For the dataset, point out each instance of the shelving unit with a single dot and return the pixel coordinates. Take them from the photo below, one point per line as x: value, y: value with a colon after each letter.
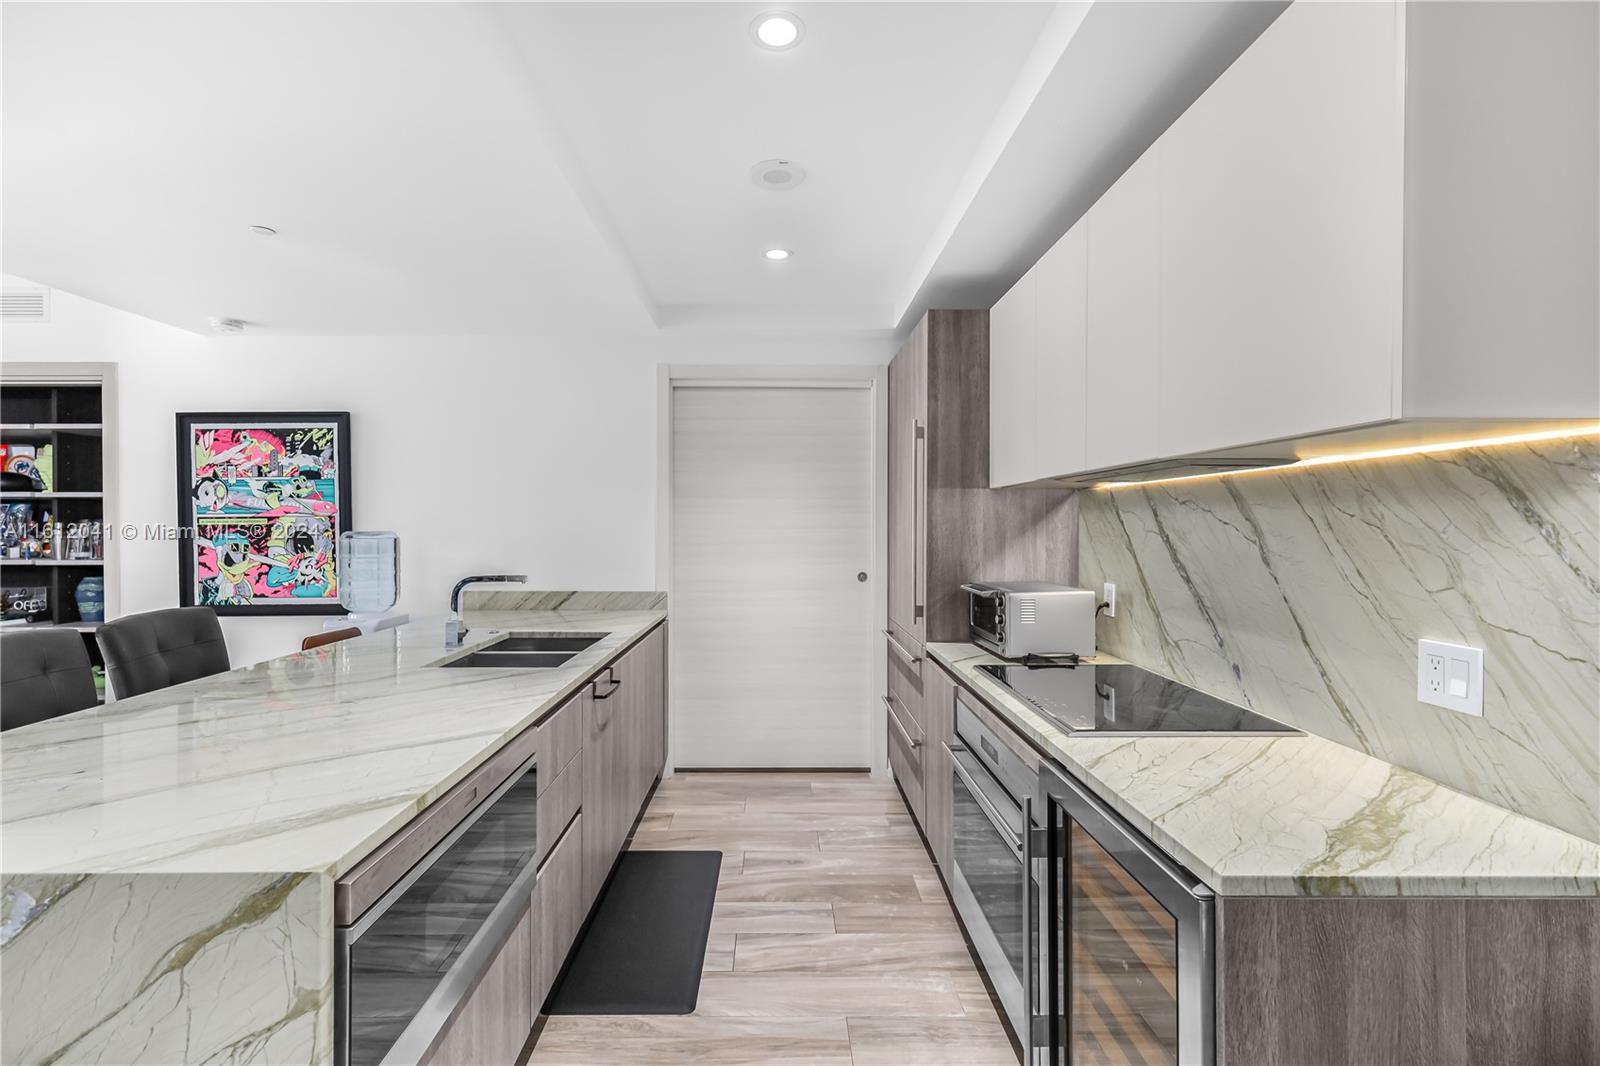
x: 67, y: 407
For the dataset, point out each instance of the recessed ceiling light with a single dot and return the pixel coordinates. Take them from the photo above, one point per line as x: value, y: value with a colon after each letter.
x: 777, y: 30
x: 263, y: 231
x: 776, y: 254
x: 227, y: 325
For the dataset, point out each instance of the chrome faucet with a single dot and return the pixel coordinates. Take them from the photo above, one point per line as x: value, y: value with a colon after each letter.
x: 455, y: 627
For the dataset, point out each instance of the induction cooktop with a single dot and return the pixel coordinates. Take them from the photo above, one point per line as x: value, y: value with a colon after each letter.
x: 1127, y: 700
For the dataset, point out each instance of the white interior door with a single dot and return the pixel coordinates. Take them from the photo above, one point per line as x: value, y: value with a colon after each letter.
x: 771, y: 628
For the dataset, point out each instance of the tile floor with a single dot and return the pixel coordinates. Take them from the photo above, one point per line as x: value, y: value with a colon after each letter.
x: 831, y: 941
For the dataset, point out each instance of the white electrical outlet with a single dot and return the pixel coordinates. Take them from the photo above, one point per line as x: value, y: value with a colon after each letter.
x: 1109, y: 598
x: 1450, y: 676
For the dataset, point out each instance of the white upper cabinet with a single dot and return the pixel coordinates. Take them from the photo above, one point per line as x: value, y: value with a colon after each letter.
x: 1280, y: 210
x: 1061, y: 348
x: 1012, y: 343
x: 1375, y: 228
x: 1037, y: 349
x: 1124, y: 327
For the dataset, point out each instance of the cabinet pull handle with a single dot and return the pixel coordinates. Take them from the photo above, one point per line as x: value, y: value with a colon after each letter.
x: 919, y: 587
x: 612, y: 691
x: 895, y: 718
x: 910, y: 659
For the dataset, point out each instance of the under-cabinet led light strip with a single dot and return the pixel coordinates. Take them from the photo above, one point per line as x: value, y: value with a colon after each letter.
x: 1379, y: 453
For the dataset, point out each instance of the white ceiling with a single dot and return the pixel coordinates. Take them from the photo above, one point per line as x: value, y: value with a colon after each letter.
x: 460, y: 168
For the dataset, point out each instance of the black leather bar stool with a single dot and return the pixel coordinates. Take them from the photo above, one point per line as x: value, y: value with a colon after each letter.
x: 44, y: 673
x: 153, y: 650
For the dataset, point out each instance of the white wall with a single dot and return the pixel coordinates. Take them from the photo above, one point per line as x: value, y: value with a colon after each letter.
x: 485, y: 454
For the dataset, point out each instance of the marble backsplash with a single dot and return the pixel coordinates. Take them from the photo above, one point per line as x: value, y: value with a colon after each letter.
x: 514, y: 599
x: 1303, y: 594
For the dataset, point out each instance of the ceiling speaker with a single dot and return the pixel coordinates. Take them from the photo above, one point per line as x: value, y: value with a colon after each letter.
x: 779, y: 175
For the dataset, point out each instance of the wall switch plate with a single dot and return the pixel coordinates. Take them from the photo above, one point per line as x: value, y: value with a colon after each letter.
x: 1109, y: 598
x: 1450, y: 676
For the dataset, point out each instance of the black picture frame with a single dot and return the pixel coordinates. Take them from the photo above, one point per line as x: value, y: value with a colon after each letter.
x: 257, y: 502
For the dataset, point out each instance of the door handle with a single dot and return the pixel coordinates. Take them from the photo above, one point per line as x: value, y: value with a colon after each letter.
x: 1030, y: 926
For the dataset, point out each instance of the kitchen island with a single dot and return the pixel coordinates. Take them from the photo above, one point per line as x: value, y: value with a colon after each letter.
x: 169, y: 860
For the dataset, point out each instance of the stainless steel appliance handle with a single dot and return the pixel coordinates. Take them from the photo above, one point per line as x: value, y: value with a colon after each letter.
x: 919, y: 580
x: 987, y: 806
x: 473, y: 961
x: 911, y: 660
x: 888, y: 704
x: 1030, y: 927
x: 978, y: 590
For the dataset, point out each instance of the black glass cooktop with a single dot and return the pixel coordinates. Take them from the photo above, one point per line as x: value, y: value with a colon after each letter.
x: 1111, y: 698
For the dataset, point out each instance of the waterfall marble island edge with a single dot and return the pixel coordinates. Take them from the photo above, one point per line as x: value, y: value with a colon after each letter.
x: 151, y: 847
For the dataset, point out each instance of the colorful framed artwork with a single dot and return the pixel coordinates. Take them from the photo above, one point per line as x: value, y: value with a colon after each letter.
x: 262, y: 499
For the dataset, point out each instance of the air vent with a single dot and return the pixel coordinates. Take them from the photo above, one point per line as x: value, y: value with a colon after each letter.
x: 1027, y: 610
x: 25, y: 305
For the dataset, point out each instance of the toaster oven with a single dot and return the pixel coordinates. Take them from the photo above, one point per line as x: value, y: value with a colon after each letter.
x: 1020, y: 618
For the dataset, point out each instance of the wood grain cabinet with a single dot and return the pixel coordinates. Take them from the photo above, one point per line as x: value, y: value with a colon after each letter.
x: 559, y: 907
x: 1342, y: 244
x: 946, y: 525
x: 599, y: 754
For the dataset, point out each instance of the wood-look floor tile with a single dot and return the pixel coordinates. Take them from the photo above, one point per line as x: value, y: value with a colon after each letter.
x: 655, y: 819
x: 894, y: 918
x: 912, y: 862
x: 659, y: 1040
x: 929, y: 1042
x: 738, y: 786
x: 859, y: 953
x: 729, y: 842
x: 806, y: 995
x: 979, y: 1005
x: 767, y: 917
x: 930, y: 887
x: 805, y: 887
x: 719, y: 950
x: 704, y: 802
x: 793, y: 816
x: 846, y: 803
x: 861, y: 784
x: 839, y: 838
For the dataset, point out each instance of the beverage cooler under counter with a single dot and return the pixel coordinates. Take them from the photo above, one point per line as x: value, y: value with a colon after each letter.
x: 1123, y: 940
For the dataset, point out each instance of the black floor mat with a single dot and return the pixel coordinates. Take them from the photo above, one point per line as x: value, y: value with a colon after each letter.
x: 645, y: 944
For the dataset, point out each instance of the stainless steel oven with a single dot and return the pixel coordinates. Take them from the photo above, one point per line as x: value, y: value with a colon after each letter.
x: 403, y: 966
x: 995, y: 880
x: 1124, y: 940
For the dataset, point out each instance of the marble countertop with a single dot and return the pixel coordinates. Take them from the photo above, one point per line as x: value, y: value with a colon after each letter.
x: 1300, y: 815
x: 299, y: 764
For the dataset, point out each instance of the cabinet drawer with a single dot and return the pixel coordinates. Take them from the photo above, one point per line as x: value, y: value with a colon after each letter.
x: 1007, y: 733
x: 560, y: 906
x: 373, y: 876
x: 905, y: 759
x: 558, y: 803
x: 560, y: 737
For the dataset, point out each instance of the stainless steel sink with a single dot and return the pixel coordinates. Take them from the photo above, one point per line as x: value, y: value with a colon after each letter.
x: 495, y: 659
x: 536, y: 642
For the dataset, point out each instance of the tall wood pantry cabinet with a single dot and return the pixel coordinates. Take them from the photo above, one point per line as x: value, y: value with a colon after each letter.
x: 947, y: 527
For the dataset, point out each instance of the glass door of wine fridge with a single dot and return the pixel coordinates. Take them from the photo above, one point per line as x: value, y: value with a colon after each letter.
x: 1125, y: 941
